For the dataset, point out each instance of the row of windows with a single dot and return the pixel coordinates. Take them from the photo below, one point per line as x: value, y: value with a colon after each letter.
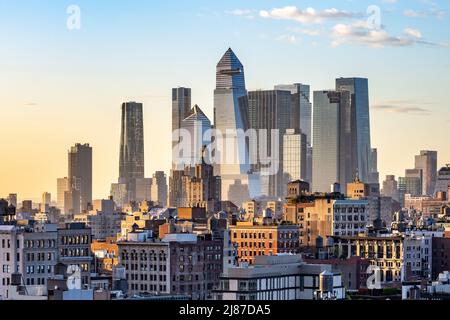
x: 75, y: 240
x: 50, y: 243
x: 41, y: 256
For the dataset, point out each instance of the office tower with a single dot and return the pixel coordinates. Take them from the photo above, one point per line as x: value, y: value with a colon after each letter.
x: 301, y: 108
x: 269, y: 111
x: 46, y: 201
x: 294, y: 155
x: 401, y: 190
x: 198, y: 126
x: 181, y: 107
x: 390, y: 188
x: 131, y: 166
x: 12, y: 199
x: 413, y: 182
x: 443, y: 180
x: 143, y: 189
x: 359, y: 89
x: 374, y: 175
x: 230, y: 116
x: 80, y: 174
x: 335, y: 157
x: 176, y: 188
x: 27, y: 206
x: 62, y: 185
x: 301, y: 118
x: 119, y: 194
x: 159, y: 188
x: 427, y: 162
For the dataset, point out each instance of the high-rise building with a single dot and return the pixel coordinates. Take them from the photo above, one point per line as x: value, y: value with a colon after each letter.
x: 62, y: 186
x: 230, y: 117
x: 176, y: 190
x: 427, y: 162
x: 335, y: 157
x: 12, y: 199
x: 80, y: 174
x: 359, y: 89
x: 119, y: 194
x: 159, y: 188
x: 413, y: 182
x: 143, y: 189
x: 294, y: 155
x: 131, y: 166
x: 46, y: 201
x: 301, y: 118
x: 199, y: 127
x: 181, y: 107
x: 269, y: 111
x: 390, y: 188
x: 374, y: 175
x: 301, y: 108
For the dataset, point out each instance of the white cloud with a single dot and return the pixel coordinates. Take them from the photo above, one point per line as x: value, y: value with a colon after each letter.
x: 390, y: 1
x: 307, y: 16
x: 359, y: 33
x: 439, y: 14
x: 413, y: 33
x: 240, y: 12
x: 306, y: 31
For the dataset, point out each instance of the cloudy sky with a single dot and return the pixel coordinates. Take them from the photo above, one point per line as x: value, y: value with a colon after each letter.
x: 60, y: 85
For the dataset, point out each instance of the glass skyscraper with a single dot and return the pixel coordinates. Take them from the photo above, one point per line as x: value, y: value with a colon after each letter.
x: 131, y: 166
x: 359, y: 89
x: 270, y: 110
x: 230, y: 115
x: 334, y: 137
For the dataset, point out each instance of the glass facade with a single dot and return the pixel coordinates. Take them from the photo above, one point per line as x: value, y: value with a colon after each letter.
x: 131, y: 165
x: 359, y: 89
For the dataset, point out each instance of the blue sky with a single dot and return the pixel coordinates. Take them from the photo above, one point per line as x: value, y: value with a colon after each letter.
x: 60, y: 87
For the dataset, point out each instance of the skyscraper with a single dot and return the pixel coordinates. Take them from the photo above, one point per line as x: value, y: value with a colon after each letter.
x: 427, y: 162
x: 301, y: 112
x: 294, y: 155
x: 230, y: 116
x: 159, y: 188
x: 181, y: 107
x: 131, y: 166
x: 80, y: 175
x: 199, y: 127
x: 390, y: 188
x: 359, y: 89
x: 143, y: 189
x: 335, y: 144
x: 62, y: 186
x: 301, y: 118
x: 413, y: 182
x: 269, y: 111
x: 374, y: 175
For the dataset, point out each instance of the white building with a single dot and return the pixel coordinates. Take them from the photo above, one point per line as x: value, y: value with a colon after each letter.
x: 281, y: 277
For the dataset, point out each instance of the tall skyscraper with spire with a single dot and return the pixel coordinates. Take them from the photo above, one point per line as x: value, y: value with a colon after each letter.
x: 231, y: 116
x: 131, y: 163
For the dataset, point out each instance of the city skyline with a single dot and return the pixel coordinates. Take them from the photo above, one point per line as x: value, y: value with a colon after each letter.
x: 403, y: 110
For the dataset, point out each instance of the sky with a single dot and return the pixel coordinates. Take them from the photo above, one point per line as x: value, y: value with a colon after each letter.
x: 61, y: 85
